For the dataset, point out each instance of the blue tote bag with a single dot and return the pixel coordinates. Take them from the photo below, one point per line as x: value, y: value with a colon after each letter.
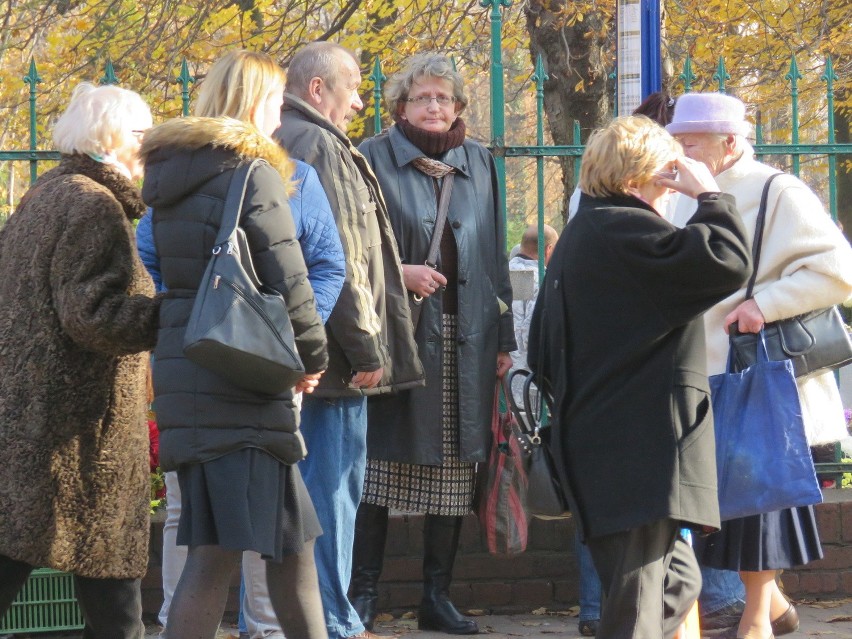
x: 762, y: 456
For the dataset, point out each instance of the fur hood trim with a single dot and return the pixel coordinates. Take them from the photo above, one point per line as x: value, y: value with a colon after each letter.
x: 192, y: 133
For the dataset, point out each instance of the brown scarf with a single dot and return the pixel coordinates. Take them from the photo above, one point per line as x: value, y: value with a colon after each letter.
x: 432, y: 143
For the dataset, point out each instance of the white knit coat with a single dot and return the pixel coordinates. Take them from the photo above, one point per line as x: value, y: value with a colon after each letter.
x: 805, y: 264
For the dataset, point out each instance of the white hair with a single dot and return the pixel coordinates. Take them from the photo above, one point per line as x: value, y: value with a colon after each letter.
x: 100, y: 119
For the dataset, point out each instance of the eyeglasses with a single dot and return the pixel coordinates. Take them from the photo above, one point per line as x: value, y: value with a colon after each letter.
x: 138, y: 132
x: 424, y: 100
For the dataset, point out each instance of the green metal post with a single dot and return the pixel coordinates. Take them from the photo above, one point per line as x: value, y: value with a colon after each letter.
x: 498, y: 100
x: 687, y: 76
x: 577, y: 142
x: 378, y: 78
x: 721, y: 75
x: 829, y: 78
x: 539, y: 77
x: 794, y: 76
x: 32, y: 78
x: 109, y: 74
x: 184, y: 79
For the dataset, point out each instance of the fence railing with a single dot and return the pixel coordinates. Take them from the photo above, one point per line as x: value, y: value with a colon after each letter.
x: 795, y: 149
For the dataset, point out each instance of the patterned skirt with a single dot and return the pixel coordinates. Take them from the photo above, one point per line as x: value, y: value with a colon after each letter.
x: 436, y: 490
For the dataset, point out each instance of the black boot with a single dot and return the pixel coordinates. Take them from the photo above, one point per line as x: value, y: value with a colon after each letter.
x: 437, y: 612
x: 368, y: 551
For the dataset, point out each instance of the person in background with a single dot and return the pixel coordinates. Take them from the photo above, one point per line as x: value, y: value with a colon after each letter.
x: 323, y: 254
x: 371, y: 345
x: 619, y: 386
x: 526, y: 261
x: 76, y: 315
x: 227, y: 443
x: 423, y: 444
x: 805, y: 264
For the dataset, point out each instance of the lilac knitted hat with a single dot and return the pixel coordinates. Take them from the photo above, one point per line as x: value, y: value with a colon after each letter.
x: 709, y: 113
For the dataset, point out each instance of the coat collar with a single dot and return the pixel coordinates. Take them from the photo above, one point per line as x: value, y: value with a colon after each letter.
x: 620, y: 201
x: 123, y: 190
x: 404, y: 152
x: 309, y: 113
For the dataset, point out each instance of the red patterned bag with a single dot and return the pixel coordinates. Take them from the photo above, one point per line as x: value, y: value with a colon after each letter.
x: 503, y: 488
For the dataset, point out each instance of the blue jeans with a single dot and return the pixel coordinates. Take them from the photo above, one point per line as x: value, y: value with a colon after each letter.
x: 335, y: 432
x: 590, y: 584
x: 720, y: 588
x: 241, y: 619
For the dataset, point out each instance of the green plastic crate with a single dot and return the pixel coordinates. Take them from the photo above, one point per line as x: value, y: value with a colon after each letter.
x: 46, y: 603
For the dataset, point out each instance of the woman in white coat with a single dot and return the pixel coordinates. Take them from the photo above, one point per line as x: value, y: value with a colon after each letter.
x: 805, y: 264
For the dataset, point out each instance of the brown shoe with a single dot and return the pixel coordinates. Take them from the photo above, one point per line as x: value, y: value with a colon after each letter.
x: 786, y: 623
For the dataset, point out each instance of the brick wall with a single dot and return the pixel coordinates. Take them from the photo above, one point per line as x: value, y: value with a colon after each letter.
x: 830, y: 577
x: 546, y: 574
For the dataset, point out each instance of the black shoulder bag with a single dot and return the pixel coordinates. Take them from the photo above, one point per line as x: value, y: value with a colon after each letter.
x: 815, y: 342
x: 240, y: 328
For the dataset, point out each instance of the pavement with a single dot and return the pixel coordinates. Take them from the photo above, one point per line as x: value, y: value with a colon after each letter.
x: 828, y: 619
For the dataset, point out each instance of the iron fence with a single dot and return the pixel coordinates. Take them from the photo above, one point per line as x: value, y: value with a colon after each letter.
x: 795, y: 149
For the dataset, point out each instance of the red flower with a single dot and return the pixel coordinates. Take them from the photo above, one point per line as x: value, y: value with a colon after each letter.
x: 154, y: 447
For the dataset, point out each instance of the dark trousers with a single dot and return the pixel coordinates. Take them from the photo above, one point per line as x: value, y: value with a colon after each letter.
x: 650, y: 579
x: 112, y: 608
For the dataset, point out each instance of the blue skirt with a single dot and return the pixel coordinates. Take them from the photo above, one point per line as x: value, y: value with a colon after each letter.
x: 246, y: 500
x: 772, y: 541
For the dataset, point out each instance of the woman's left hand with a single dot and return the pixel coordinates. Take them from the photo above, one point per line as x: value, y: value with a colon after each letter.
x: 748, y: 316
x: 504, y: 363
x: 308, y: 383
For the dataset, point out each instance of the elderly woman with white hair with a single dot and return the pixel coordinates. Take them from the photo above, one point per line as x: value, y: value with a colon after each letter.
x: 805, y: 264
x: 76, y: 314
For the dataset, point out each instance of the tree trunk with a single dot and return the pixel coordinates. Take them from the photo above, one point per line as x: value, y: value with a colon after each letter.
x: 576, y: 58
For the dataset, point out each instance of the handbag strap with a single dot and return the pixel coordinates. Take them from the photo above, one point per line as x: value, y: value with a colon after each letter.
x: 757, y: 243
x: 440, y: 220
x: 234, y: 200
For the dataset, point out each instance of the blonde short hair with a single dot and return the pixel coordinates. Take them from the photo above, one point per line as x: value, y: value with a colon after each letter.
x: 236, y: 84
x: 627, y: 152
x: 100, y: 119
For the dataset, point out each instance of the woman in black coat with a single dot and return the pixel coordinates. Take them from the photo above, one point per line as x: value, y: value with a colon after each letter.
x: 235, y: 451
x: 618, y: 336
x: 423, y: 444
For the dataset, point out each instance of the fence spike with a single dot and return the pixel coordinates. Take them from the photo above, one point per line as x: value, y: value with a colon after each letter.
x: 687, y: 76
x: 828, y: 77
x: 721, y: 75
x: 793, y: 76
x: 109, y: 74
x: 184, y: 79
x: 378, y: 79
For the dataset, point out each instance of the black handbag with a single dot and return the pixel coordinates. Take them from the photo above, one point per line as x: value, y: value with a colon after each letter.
x: 239, y: 328
x: 545, y: 497
x: 815, y: 342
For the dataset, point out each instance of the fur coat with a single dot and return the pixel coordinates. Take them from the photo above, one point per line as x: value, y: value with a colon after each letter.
x: 75, y: 316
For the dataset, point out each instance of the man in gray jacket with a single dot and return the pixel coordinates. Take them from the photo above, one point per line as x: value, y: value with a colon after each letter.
x: 370, y: 336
